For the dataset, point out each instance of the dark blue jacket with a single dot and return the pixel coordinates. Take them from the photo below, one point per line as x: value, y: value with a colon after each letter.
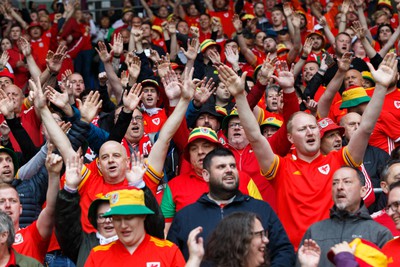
x: 208, y: 214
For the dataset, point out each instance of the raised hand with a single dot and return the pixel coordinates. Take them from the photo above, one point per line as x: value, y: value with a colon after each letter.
x: 194, y: 31
x: 296, y: 20
x: 73, y: 169
x: 358, y: 3
x: 132, y: 98
x: 154, y: 56
x: 307, y: 47
x: 285, y: 76
x: 237, y: 23
x: 311, y: 105
x: 189, y: 85
x: 387, y: 70
x: 214, y: 56
x: 53, y: 162
x: 232, y: 81
x: 24, y: 46
x: 90, y: 107
x: 118, y: 46
x: 345, y: 6
x: 103, y: 78
x: 137, y: 35
x: 134, y: 67
x: 134, y: 175
x: 39, y: 99
x: 163, y: 66
x: 322, y: 21
x: 287, y: 10
x: 203, y: 93
x: 54, y: 60
x: 172, y: 27
x: 345, y: 61
x: 60, y: 100
x: 192, y: 49
x: 4, y: 59
x: 231, y: 56
x: 267, y: 69
x: 309, y: 253
x: 172, y: 86
x: 6, y: 105
x: 124, y: 78
x: 65, y: 126
x: 359, y: 30
x: 103, y: 53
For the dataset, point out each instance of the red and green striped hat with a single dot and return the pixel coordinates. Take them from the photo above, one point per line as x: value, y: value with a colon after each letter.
x: 208, y: 43
x: 200, y: 133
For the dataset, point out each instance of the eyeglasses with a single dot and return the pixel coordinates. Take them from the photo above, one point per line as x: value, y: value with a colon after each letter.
x: 261, y: 234
x: 394, y: 206
x: 102, y: 219
x: 234, y: 125
x: 137, y: 118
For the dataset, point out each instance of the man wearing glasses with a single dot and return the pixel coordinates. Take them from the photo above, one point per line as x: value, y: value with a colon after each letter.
x: 392, y: 248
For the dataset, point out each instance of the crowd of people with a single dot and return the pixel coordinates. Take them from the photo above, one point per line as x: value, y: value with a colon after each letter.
x: 200, y: 133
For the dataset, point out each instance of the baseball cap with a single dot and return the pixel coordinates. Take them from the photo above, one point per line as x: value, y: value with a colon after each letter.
x: 127, y: 202
x: 326, y: 125
x: 6, y: 73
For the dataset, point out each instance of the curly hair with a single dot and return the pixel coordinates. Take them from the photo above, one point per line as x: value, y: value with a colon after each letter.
x: 229, y: 243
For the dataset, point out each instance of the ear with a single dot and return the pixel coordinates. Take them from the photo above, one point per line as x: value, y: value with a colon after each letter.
x: 206, y: 175
x: 20, y: 209
x: 363, y: 191
x: 289, y: 137
x: 385, y: 187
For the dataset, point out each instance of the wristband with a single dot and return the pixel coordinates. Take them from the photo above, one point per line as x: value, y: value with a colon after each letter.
x: 69, y: 189
x: 117, y: 56
x: 304, y: 57
x: 140, y: 184
x: 321, y: 70
x: 239, y: 33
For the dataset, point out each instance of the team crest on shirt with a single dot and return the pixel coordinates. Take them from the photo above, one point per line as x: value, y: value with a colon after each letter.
x: 156, y: 121
x: 397, y: 104
x: 153, y: 264
x: 18, y: 239
x: 324, y: 169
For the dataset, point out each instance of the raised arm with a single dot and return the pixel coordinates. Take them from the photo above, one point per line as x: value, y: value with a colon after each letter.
x: 296, y: 39
x: 383, y: 76
x: 334, y: 85
x: 105, y: 57
x: 25, y: 47
x: 360, y: 31
x: 260, y: 145
x: 173, y: 89
x: 361, y: 16
x: 244, y: 49
x: 56, y: 134
x: 344, y: 9
x: 45, y: 221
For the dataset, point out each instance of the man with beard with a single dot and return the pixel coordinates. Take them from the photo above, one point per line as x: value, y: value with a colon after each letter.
x: 224, y: 198
x: 349, y: 217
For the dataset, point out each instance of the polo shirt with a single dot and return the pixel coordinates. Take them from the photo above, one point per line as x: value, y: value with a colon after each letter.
x: 303, y: 189
x: 29, y: 242
x: 93, y: 186
x: 151, y: 252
